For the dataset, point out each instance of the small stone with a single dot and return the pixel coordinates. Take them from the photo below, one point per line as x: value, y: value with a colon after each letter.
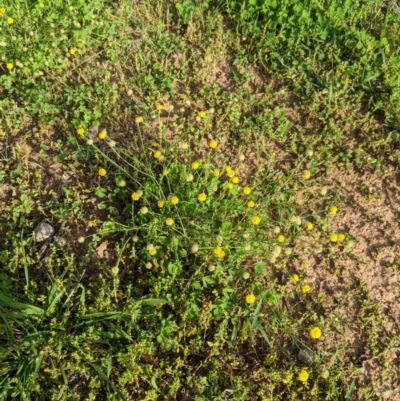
x: 306, y: 356
x: 43, y: 231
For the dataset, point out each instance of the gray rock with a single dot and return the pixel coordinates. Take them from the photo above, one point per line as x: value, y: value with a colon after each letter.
x: 306, y: 356
x: 43, y: 231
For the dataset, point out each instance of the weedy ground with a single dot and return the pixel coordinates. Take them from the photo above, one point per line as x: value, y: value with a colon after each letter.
x: 222, y: 179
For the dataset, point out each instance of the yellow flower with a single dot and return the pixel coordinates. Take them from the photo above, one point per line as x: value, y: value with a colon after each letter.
x: 213, y: 144
x: 165, y: 172
x: 10, y: 20
x: 303, y: 375
x: 10, y: 66
x: 281, y: 238
x: 250, y: 204
x: 295, y: 278
x: 235, y: 180
x: 90, y: 223
x: 306, y: 175
x: 334, y: 237
x: 152, y: 251
x: 218, y: 251
x: 255, y: 220
x: 202, y: 197
x: 80, y: 131
x: 72, y: 50
x: 229, y: 185
x: 247, y: 190
x: 41, y: 5
x: 189, y: 177
x: 135, y: 196
x: 169, y: 221
x: 159, y: 106
x: 230, y: 174
x: 174, y: 200
x: 202, y: 114
x: 315, y: 333
x: 2, y: 11
x: 195, y: 165
x: 157, y: 154
x: 309, y: 225
x: 139, y: 119
x: 250, y: 298
x: 160, y: 204
x: 333, y: 210
x: 341, y: 237
x: 114, y: 270
x: 102, y: 134
x: 216, y: 173
x: 102, y: 172
x: 305, y: 288
x: 228, y: 169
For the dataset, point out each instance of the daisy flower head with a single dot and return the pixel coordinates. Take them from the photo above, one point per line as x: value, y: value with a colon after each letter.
x: 250, y: 299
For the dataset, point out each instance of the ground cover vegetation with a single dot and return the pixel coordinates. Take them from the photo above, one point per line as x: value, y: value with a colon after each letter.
x: 198, y: 162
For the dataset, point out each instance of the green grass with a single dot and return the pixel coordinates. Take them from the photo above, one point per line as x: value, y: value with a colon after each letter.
x: 166, y: 313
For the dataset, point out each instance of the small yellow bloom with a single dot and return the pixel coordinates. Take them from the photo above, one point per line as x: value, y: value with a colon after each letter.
x: 189, y: 177
x: 309, y: 225
x: 80, y: 131
x: 281, y: 238
x: 202, y: 197
x: 255, y: 220
x: 2, y: 11
x: 213, y: 144
x: 114, y: 270
x: 10, y: 66
x: 195, y: 165
x: 295, y: 278
x: 235, y: 180
x: 165, y: 172
x: 152, y: 251
x: 157, y: 154
x: 139, y: 119
x: 202, y: 114
x: 90, y: 223
x: 10, y: 20
x: 250, y: 204
x: 250, y: 298
x: 135, y: 196
x: 247, y: 190
x: 315, y: 333
x: 160, y: 204
x: 341, y: 237
x: 159, y: 106
x: 174, y: 200
x: 303, y: 375
x: 169, y: 221
x: 218, y: 251
x: 228, y: 169
x: 41, y: 5
x: 306, y: 175
x: 102, y: 134
x: 102, y: 172
x: 230, y: 174
x: 229, y: 185
x: 333, y: 210
x: 305, y: 288
x: 216, y: 173
x: 334, y: 237
x: 72, y: 50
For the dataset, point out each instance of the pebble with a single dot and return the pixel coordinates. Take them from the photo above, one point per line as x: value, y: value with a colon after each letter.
x: 306, y: 356
x: 43, y: 231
